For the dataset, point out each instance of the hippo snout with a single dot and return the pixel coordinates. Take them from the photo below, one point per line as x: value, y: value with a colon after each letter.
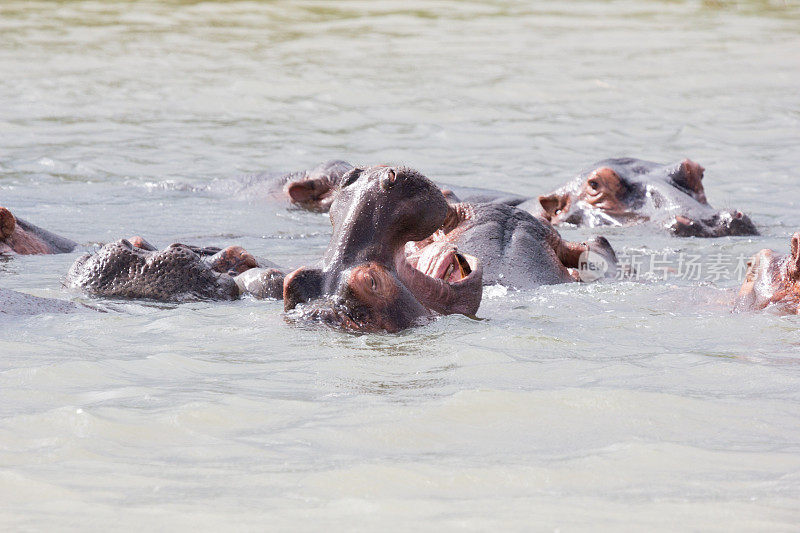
x: 722, y: 224
x: 737, y: 223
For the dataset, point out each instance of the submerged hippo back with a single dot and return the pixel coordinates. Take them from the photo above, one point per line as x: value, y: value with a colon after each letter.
x: 517, y: 249
x: 174, y: 274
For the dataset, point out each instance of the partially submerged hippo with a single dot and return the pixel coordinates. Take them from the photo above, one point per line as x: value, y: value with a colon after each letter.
x: 314, y: 189
x: 366, y: 283
x: 135, y: 269
x: 311, y: 189
x: 772, y: 280
x: 627, y: 191
x: 18, y: 303
x: 516, y: 249
x: 20, y: 237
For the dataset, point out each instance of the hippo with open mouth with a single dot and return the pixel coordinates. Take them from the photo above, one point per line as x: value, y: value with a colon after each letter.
x: 366, y: 282
x: 516, y: 248
x: 20, y: 237
x: 136, y: 269
x: 772, y: 280
x: 625, y: 191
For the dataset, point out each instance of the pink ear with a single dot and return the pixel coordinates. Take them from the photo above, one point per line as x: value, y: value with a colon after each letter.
x: 693, y: 170
x: 302, y: 192
x: 694, y: 178
x: 7, y: 223
x: 794, y: 257
x: 300, y: 286
x: 552, y: 204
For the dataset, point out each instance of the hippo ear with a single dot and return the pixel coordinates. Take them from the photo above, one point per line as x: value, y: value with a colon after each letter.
x: 302, y: 285
x: 690, y: 176
x: 349, y: 177
x: 7, y: 223
x: 794, y: 258
x: 553, y: 204
x: 307, y: 191
x: 450, y: 196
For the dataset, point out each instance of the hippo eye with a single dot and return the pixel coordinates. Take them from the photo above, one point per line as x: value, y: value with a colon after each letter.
x: 594, y: 184
x: 372, y: 281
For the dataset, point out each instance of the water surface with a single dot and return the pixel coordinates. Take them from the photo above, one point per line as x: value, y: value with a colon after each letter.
x: 641, y: 404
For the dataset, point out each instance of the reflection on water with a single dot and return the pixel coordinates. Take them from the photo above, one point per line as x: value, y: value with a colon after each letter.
x: 642, y: 402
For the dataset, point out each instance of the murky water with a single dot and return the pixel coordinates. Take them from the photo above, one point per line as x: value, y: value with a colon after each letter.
x: 631, y: 405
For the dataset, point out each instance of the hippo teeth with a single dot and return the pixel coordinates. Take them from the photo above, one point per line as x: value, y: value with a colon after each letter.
x: 449, y: 271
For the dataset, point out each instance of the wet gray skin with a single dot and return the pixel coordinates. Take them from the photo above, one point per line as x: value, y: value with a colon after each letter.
x: 18, y: 236
x: 315, y: 188
x: 476, y: 195
x: 366, y: 283
x: 311, y: 189
x: 516, y: 249
x: 17, y: 303
x: 627, y: 191
x: 174, y: 274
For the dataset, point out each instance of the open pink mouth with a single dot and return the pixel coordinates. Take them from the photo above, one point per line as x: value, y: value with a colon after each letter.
x: 441, y: 278
x: 441, y: 260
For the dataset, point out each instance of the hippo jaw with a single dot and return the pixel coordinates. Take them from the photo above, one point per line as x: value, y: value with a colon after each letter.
x: 120, y: 270
x: 443, y: 279
x: 372, y: 297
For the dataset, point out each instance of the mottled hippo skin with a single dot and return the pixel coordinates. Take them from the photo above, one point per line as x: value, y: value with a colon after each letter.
x: 628, y: 191
x: 516, y: 249
x: 773, y: 280
x: 20, y: 237
x: 366, y: 282
x: 174, y: 274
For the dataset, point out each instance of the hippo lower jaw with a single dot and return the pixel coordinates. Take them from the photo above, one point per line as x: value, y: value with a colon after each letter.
x: 447, y: 291
x: 723, y: 224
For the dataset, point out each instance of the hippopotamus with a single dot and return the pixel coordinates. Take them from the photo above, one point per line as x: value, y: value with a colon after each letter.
x: 136, y: 269
x: 314, y: 189
x: 17, y: 303
x: 311, y: 189
x: 366, y: 282
x: 516, y: 248
x: 20, y: 237
x: 624, y: 191
x: 773, y: 280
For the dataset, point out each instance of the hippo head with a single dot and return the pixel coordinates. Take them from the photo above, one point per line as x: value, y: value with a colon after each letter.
x: 314, y: 189
x: 628, y: 191
x: 176, y: 273
x: 23, y: 238
x: 772, y: 279
x: 366, y: 282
